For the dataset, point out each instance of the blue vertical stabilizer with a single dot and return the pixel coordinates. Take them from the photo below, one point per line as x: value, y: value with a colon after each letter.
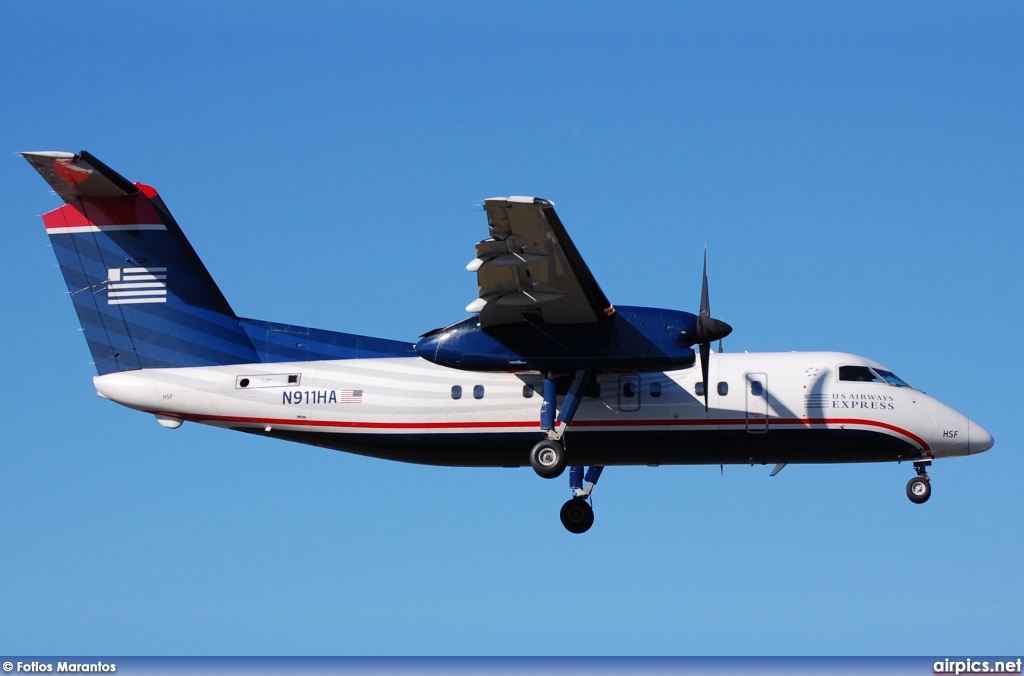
x: 144, y: 298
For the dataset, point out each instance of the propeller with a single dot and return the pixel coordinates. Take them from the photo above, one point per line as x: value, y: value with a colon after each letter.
x: 708, y: 329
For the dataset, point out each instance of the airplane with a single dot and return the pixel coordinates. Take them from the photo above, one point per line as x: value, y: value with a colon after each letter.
x: 545, y: 371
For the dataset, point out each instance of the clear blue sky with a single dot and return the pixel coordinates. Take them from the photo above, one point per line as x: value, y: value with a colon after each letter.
x: 857, y: 172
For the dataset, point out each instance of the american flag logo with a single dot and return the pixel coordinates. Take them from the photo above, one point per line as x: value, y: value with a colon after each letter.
x: 136, y: 285
x: 818, y: 401
x: 350, y: 396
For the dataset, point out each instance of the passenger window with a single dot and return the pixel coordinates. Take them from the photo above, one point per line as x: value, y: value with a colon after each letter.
x: 527, y: 391
x: 698, y: 389
x: 723, y: 389
x: 456, y: 391
x: 478, y: 391
x: 756, y: 388
x: 655, y: 389
x: 858, y: 374
x: 594, y: 391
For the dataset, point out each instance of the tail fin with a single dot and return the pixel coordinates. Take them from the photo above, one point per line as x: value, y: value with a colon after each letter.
x: 143, y: 297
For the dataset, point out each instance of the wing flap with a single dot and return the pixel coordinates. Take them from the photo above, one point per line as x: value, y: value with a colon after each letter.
x: 529, y: 265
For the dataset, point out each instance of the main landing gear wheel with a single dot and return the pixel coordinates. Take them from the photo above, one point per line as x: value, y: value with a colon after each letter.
x: 548, y: 459
x: 919, y: 489
x: 577, y: 516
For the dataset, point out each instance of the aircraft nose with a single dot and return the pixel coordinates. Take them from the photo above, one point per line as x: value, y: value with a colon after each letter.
x: 978, y: 440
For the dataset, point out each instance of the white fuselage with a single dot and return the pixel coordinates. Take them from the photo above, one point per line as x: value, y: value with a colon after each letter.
x: 762, y: 407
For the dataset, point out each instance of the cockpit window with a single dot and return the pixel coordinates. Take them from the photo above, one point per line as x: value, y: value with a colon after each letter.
x: 863, y: 374
x: 858, y: 374
x: 891, y: 378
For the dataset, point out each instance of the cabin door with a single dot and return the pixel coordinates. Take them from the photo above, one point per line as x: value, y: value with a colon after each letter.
x: 629, y: 392
x: 757, y: 403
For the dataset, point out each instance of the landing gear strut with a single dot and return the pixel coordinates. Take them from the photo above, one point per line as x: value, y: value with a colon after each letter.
x: 919, y: 489
x: 548, y: 456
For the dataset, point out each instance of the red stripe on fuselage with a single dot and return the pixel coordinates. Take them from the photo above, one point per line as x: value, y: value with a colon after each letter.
x: 533, y: 424
x: 772, y: 422
x: 351, y: 424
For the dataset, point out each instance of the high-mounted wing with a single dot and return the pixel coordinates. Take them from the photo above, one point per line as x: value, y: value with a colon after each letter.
x: 530, y: 267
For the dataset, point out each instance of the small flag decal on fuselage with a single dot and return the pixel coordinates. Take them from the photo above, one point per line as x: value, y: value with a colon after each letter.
x: 136, y: 285
x: 350, y: 396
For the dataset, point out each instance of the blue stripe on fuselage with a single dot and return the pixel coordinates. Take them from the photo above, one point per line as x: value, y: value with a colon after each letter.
x: 276, y: 342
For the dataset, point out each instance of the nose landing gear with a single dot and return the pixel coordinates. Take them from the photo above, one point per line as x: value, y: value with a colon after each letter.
x: 919, y: 489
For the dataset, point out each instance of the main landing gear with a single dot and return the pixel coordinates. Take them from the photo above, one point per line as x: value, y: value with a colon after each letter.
x: 548, y: 458
x: 919, y: 489
x: 548, y: 455
x: 577, y: 514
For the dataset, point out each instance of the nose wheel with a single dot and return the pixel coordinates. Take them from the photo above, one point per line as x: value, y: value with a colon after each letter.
x: 919, y: 489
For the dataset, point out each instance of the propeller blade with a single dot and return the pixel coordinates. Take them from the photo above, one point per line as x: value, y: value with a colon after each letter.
x: 705, y: 354
x: 705, y: 305
x: 707, y: 329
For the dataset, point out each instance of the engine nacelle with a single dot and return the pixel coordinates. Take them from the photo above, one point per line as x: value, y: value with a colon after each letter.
x: 633, y: 339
